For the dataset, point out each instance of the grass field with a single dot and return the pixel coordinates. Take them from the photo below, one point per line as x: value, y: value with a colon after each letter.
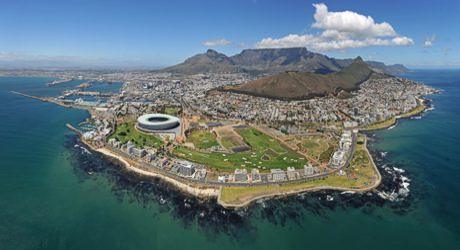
x: 360, y: 174
x: 266, y: 153
x: 238, y: 195
x: 229, y: 138
x: 172, y: 110
x: 361, y: 167
x: 380, y: 125
x: 126, y: 132
x: 202, y: 139
x: 325, y: 156
x: 315, y: 145
x: 415, y: 111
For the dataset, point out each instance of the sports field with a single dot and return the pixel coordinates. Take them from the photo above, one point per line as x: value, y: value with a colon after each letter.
x: 266, y: 153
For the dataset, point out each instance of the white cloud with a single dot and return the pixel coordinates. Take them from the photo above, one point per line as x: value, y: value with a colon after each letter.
x: 429, y: 41
x: 340, y: 30
x: 349, y: 22
x: 217, y: 42
x: 320, y: 43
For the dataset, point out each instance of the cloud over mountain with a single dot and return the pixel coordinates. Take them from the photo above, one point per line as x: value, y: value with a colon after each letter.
x: 340, y: 30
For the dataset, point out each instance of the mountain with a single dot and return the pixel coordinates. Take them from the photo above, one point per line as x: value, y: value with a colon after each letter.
x: 294, y: 85
x: 270, y: 61
x: 209, y: 62
x: 284, y: 59
x: 389, y: 69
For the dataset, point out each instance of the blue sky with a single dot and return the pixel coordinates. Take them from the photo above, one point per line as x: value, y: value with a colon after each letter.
x: 166, y: 32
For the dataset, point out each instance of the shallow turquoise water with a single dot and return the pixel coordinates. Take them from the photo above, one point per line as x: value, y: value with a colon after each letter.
x: 46, y: 204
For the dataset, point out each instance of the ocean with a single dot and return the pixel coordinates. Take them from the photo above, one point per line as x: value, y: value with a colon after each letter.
x: 54, y: 194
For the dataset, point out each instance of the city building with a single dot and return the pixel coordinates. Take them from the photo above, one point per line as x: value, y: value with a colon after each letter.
x: 308, y: 170
x: 241, y: 175
x: 278, y: 174
x: 291, y: 173
x: 186, y: 169
x: 138, y: 152
x: 255, y: 175
x: 338, y: 159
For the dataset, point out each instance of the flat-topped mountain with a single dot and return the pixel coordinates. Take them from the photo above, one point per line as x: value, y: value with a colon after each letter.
x: 294, y: 85
x: 209, y: 62
x: 279, y: 60
x: 270, y: 61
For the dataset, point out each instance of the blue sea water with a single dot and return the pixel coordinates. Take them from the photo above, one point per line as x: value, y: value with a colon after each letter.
x: 50, y: 200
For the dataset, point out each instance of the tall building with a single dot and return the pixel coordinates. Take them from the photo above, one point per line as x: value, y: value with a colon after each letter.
x: 278, y: 174
x: 255, y: 175
x: 309, y: 170
x: 186, y: 169
x: 291, y: 173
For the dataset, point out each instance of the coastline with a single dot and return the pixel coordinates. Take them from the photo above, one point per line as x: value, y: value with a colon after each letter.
x: 206, y: 192
x: 393, y: 120
x: 200, y: 192
x: 215, y: 191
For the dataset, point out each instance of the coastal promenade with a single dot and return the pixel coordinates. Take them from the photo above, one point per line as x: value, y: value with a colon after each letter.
x: 207, y: 190
x: 393, y: 120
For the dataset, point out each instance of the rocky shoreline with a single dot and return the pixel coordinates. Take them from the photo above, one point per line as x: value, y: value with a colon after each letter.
x: 153, y: 191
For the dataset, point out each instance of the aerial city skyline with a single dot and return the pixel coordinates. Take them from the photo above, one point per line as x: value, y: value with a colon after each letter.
x: 255, y: 124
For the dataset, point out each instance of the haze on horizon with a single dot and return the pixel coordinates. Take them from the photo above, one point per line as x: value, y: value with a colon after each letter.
x: 143, y: 34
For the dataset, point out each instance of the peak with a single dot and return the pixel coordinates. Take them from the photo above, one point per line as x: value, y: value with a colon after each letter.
x: 211, y: 51
x: 358, y: 59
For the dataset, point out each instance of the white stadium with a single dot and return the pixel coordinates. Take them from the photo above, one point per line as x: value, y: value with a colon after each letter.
x: 158, y: 123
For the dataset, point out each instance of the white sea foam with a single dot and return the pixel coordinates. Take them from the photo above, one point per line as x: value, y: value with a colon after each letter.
x: 405, y: 183
x: 83, y: 149
x: 399, y: 170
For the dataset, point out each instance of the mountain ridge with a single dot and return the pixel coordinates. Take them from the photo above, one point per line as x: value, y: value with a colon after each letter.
x: 270, y: 61
x: 294, y: 85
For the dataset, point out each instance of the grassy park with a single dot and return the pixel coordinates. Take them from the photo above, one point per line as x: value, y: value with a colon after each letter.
x: 172, y: 111
x: 239, y: 195
x: 361, y: 168
x: 127, y: 132
x: 360, y: 175
x: 266, y: 153
x: 318, y: 147
x: 202, y: 139
x: 229, y: 138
